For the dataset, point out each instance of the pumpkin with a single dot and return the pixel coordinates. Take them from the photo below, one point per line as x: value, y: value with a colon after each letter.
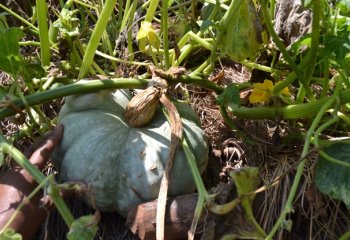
x: 123, y: 165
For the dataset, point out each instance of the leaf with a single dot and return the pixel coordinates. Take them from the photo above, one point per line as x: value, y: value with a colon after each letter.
x: 84, y: 228
x: 337, y: 48
x: 30, y: 71
x: 333, y: 179
x: 67, y: 23
x: 145, y: 28
x: 344, y: 7
x: 147, y: 32
x: 10, y: 58
x: 247, y: 181
x: 10, y: 234
x: 229, y: 96
x: 302, y: 43
x: 153, y: 39
x: 241, y: 34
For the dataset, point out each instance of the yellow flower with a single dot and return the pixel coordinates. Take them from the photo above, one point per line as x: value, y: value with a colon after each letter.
x: 285, y: 91
x: 262, y: 92
x: 147, y: 34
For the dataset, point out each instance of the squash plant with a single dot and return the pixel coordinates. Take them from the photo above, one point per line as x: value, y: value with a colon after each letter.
x: 123, y: 165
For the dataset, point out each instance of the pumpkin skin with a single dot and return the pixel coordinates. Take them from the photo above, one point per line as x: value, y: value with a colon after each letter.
x: 122, y: 165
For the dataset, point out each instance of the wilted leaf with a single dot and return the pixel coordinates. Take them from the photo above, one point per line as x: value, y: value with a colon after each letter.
x: 241, y: 35
x: 333, y: 179
x: 10, y: 58
x: 84, y: 228
x: 10, y: 234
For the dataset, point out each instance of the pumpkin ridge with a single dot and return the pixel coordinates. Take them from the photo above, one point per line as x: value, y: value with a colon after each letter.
x: 131, y: 161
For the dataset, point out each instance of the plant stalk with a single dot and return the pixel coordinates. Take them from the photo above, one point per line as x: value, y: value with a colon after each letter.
x: 43, y: 32
x: 288, y: 206
x: 165, y: 30
x: 71, y: 89
x: 96, y: 37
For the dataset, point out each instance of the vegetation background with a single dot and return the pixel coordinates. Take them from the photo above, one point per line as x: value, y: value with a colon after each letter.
x: 269, y: 80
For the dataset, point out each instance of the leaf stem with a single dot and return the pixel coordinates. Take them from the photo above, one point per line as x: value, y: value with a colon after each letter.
x: 71, y: 89
x: 295, y: 111
x: 96, y: 37
x: 203, y: 195
x: 282, y: 48
x: 153, y: 4
x: 35, y: 29
x: 165, y: 30
x: 43, y: 32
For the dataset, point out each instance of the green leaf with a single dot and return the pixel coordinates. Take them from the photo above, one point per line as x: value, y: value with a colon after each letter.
x: 147, y: 32
x: 84, y: 228
x: 241, y: 33
x: 344, y: 7
x: 304, y: 41
x: 10, y: 234
x: 247, y: 181
x: 68, y: 23
x: 333, y: 179
x: 229, y: 96
x: 337, y: 48
x: 170, y: 2
x: 10, y: 58
x: 30, y: 71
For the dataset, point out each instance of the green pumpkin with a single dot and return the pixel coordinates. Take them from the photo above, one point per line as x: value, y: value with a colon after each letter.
x: 122, y: 165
